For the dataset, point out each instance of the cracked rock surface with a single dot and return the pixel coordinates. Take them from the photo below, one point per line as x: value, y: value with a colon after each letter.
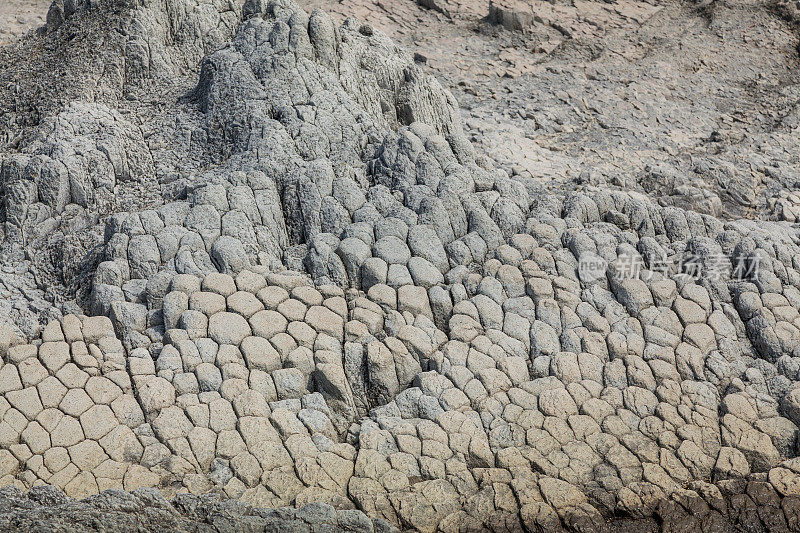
x: 251, y: 257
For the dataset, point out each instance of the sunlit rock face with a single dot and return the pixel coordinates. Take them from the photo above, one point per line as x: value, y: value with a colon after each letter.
x: 250, y: 252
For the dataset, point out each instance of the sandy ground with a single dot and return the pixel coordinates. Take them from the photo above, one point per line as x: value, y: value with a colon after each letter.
x: 19, y: 16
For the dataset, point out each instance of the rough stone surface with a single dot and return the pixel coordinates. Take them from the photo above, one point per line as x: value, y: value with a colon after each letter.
x: 251, y: 252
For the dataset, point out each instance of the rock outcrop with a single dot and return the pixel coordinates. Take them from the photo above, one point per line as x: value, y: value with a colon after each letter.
x: 248, y: 252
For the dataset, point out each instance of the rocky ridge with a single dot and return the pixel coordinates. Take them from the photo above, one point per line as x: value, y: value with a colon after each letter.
x: 249, y: 252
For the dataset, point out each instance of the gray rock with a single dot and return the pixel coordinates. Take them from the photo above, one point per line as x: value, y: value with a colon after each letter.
x: 229, y: 255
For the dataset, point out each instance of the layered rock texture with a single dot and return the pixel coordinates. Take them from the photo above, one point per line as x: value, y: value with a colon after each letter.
x: 250, y: 254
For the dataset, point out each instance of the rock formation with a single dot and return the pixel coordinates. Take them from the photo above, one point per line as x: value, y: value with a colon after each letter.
x: 246, y: 251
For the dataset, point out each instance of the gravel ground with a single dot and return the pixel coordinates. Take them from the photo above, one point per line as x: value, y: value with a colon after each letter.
x: 19, y: 16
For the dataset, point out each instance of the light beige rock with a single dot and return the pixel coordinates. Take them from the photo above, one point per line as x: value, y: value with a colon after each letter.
x: 51, y: 391
x: 220, y: 283
x: 76, y: 402
x: 221, y: 415
x: 81, y: 486
x: 208, y: 303
x: 72, y: 327
x: 292, y: 309
x: 87, y: 455
x: 54, y: 355
x: 249, y: 281
x: 203, y: 442
x: 31, y: 372
x: 558, y: 403
x: 156, y: 393
x: 172, y: 423
x: 228, y: 328
x: 139, y: 477
x: 272, y: 296
x: 55, y: 459
x: 102, y: 390
x: 72, y: 376
x: 36, y: 437
x: 244, y: 303
x: 127, y: 411
x: 785, y: 481
x: 97, y: 327
x: 246, y: 468
x: 98, y: 421
x: 64, y: 476
x: 67, y: 433
x: 259, y: 354
x: 122, y: 445
x: 326, y: 321
x: 26, y: 401
x: 195, y: 323
x: 20, y: 352
x: 414, y: 300
x: 9, y: 379
x: 268, y: 323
